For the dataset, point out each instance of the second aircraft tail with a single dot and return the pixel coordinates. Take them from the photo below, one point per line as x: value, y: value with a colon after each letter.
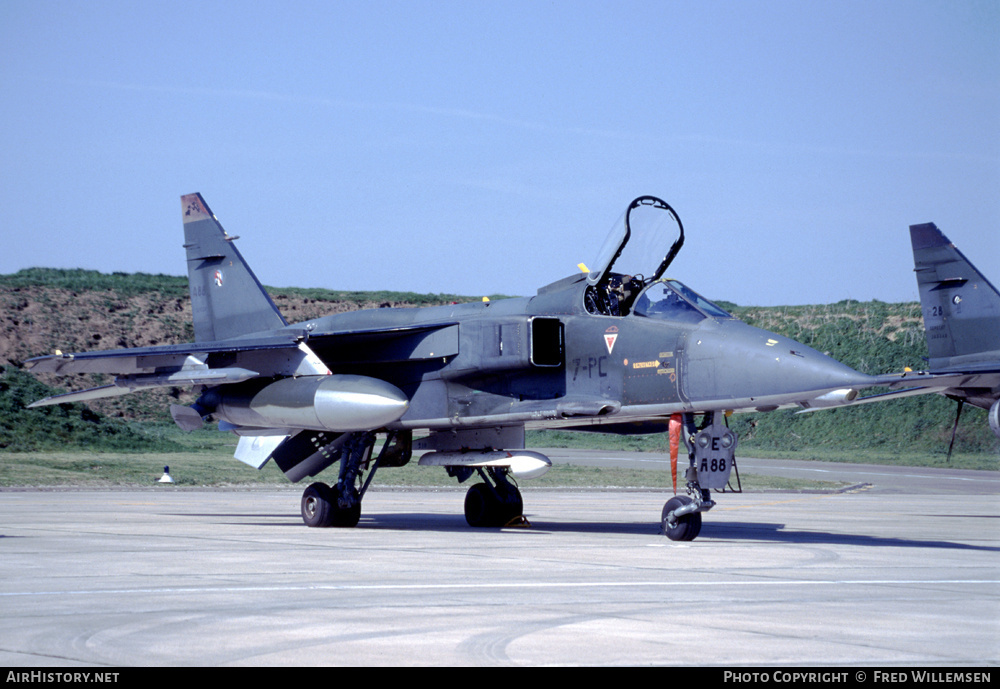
x: 961, y: 308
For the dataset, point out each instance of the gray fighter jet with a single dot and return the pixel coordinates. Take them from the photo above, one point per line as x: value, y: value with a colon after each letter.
x: 615, y: 348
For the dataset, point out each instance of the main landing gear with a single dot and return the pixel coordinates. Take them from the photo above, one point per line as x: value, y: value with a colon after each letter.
x: 322, y: 506
x: 494, y: 503
x: 340, y: 504
x: 712, y: 456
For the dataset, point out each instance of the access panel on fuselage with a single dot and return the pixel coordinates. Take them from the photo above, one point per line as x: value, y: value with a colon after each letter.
x: 650, y: 351
x: 593, y: 364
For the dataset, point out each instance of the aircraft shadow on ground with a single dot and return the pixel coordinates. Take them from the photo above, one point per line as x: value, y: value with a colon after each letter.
x: 740, y: 531
x: 718, y: 531
x: 778, y: 533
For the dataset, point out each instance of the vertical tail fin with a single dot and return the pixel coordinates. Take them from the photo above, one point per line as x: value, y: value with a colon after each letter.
x: 227, y: 300
x: 961, y: 308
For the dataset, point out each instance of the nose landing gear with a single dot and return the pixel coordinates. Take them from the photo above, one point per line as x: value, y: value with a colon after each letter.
x: 678, y: 524
x: 712, y: 453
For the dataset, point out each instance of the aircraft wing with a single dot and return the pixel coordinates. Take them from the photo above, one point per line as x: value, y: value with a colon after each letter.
x: 976, y: 384
x: 280, y: 353
x: 881, y: 397
x: 931, y: 383
x: 144, y: 359
x: 380, y: 345
x: 161, y: 366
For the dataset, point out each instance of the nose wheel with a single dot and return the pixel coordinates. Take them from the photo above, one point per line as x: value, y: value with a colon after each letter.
x: 712, y: 455
x: 684, y: 527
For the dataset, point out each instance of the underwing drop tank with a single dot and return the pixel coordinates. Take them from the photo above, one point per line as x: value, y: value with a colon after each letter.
x: 340, y: 403
x: 521, y: 463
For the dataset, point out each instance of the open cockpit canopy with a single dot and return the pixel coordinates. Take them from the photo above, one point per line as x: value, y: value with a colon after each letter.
x: 639, y: 244
x: 636, y: 253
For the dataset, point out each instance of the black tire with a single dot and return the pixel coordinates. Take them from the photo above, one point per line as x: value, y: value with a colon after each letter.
x: 685, y: 528
x: 317, y: 505
x: 511, y: 508
x: 345, y: 518
x: 481, y: 506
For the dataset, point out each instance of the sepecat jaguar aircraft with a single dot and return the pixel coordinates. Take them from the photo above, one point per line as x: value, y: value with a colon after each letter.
x: 615, y: 348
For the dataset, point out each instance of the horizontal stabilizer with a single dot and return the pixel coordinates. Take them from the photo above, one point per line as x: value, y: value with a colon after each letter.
x: 131, y: 383
x: 81, y: 396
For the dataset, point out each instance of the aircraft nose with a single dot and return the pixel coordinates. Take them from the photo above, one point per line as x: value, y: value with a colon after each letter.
x: 733, y: 361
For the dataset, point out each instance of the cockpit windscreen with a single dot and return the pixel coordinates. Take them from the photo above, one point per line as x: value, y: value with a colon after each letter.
x: 671, y: 300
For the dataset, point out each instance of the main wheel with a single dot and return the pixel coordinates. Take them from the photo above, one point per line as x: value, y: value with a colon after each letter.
x: 317, y: 505
x: 511, y: 508
x: 481, y: 506
x: 484, y: 508
x: 685, y: 528
x: 346, y: 517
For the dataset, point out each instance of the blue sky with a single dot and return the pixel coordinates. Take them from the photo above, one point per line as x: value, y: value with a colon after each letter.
x: 479, y: 147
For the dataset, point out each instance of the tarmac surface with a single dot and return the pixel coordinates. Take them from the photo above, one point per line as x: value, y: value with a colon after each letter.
x: 903, y: 569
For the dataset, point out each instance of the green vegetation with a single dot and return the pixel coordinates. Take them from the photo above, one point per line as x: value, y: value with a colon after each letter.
x: 220, y: 470
x: 126, y: 285
x: 63, y: 426
x: 935, y: 456
x: 78, y: 280
x: 377, y: 297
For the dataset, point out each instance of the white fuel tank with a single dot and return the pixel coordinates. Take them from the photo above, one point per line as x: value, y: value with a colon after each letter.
x: 521, y: 463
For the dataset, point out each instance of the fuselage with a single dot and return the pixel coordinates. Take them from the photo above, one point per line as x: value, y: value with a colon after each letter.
x: 546, y: 360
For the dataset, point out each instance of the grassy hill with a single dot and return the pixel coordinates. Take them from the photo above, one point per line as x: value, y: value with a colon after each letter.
x: 42, y: 310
